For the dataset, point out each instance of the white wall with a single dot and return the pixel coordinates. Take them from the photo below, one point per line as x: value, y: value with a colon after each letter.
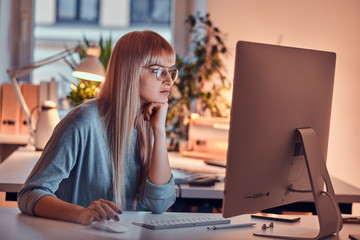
x: 329, y: 25
x: 5, y: 60
x: 16, y: 36
x: 114, y: 13
x: 181, y: 10
x: 45, y: 12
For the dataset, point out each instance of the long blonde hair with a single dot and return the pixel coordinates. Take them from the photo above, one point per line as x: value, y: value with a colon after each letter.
x: 119, y: 101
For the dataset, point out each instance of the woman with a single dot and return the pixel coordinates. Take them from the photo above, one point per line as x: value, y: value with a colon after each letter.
x: 110, y: 153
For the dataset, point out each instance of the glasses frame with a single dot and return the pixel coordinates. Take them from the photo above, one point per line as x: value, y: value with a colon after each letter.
x: 159, y: 69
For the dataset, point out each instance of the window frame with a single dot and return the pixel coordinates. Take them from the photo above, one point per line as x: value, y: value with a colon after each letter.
x: 77, y: 18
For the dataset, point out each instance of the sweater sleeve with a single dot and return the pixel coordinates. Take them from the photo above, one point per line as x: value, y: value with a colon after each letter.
x: 54, y: 165
x: 157, y: 198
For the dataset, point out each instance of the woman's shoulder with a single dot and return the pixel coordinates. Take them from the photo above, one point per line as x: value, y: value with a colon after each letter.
x: 84, y: 113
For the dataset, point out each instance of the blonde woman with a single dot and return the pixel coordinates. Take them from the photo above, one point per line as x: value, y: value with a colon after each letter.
x: 109, y: 154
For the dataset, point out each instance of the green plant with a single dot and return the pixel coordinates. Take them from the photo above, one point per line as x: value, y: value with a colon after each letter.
x: 202, y: 83
x: 86, y: 90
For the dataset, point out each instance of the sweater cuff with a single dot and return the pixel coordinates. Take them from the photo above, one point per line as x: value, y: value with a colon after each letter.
x: 27, y: 200
x: 155, y: 191
x: 158, y: 198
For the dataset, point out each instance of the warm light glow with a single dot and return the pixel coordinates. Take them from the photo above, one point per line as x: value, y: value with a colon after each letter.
x: 195, y: 116
x: 221, y: 126
x: 88, y: 76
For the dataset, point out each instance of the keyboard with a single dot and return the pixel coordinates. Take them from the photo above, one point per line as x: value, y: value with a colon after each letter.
x: 182, y: 222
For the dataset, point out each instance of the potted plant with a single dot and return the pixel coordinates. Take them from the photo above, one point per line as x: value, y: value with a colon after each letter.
x: 202, y: 84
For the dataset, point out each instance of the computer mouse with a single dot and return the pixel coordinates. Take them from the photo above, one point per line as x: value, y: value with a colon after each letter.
x: 109, y: 226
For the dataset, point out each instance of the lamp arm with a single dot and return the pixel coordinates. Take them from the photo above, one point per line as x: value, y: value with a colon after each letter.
x: 15, y: 73
x: 24, y: 70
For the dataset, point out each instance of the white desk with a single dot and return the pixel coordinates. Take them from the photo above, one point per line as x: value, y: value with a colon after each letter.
x: 14, y: 225
x: 16, y: 168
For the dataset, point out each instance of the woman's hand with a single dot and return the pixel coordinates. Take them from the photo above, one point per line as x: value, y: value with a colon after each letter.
x: 156, y: 113
x: 99, y: 211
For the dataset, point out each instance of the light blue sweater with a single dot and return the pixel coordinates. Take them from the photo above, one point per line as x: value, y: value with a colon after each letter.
x: 75, y: 166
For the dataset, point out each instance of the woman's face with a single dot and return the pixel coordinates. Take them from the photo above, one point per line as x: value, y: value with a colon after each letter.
x: 151, y: 88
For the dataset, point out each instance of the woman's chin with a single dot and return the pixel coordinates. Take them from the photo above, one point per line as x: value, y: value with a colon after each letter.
x: 158, y: 100
x: 162, y: 99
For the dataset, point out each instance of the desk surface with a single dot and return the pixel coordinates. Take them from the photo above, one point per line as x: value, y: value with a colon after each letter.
x: 16, y: 168
x: 14, y: 225
x: 14, y: 139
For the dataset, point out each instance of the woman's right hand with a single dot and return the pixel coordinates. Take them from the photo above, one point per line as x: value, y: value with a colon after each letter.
x: 99, y: 211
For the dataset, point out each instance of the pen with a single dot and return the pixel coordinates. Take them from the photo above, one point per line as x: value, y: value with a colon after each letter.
x: 352, y: 220
x: 231, y: 226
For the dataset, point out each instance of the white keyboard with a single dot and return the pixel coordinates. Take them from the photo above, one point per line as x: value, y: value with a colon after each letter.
x: 181, y: 222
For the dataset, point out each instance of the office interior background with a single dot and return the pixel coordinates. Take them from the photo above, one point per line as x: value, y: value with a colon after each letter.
x: 328, y: 25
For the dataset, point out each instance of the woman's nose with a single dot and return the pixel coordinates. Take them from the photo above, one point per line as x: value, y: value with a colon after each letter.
x: 168, y: 81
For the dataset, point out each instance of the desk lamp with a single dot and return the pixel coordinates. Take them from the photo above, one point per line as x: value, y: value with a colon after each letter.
x: 90, y: 69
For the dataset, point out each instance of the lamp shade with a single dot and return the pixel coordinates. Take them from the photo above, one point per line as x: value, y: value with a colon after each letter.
x: 91, y: 68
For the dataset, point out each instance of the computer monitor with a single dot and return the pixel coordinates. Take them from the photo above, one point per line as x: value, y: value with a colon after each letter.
x: 279, y: 129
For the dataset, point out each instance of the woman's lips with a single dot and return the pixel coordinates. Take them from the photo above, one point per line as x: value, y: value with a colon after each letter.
x: 165, y: 92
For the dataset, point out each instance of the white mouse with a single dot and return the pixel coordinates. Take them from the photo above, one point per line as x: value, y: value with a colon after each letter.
x: 108, y: 226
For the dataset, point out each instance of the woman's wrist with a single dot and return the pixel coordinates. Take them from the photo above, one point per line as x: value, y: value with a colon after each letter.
x: 159, y: 133
x: 78, y: 218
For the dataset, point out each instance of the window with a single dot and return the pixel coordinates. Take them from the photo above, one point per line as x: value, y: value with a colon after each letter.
x: 77, y: 11
x: 150, y: 12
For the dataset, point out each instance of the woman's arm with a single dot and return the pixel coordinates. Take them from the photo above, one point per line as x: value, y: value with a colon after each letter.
x: 37, y: 196
x: 52, y: 207
x: 159, y: 170
x: 158, y: 192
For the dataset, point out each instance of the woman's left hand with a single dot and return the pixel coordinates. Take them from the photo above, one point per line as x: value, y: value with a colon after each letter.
x: 155, y: 113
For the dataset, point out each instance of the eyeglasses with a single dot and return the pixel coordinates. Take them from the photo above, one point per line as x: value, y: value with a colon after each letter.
x: 163, y: 72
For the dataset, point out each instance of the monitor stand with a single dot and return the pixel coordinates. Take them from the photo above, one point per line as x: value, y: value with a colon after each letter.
x: 329, y: 216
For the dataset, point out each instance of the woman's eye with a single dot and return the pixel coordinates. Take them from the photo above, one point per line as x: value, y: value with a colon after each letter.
x: 163, y: 73
x: 154, y: 70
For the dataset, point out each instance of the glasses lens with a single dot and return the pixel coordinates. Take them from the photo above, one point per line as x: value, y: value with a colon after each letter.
x: 162, y: 73
x: 159, y: 73
x: 173, y: 73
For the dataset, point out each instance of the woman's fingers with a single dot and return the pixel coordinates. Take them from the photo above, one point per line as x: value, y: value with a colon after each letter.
x: 101, y: 212
x: 155, y: 114
x: 112, y: 205
x: 110, y: 213
x: 147, y: 111
x: 105, y: 210
x: 150, y: 109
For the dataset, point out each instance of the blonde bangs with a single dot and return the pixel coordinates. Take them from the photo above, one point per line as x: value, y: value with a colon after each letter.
x: 156, y: 48
x: 154, y: 57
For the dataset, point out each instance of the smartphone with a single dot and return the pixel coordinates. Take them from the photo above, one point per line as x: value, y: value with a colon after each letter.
x: 275, y: 217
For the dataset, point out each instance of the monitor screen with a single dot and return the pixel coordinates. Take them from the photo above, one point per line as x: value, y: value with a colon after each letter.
x: 276, y: 90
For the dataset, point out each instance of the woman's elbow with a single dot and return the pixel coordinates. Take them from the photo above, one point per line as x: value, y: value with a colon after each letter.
x: 158, y: 207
